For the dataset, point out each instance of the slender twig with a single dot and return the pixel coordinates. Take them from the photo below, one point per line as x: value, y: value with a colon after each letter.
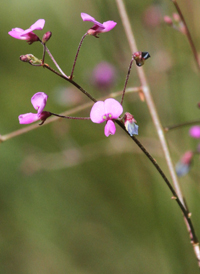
x: 126, y: 81
x: 184, y: 209
x: 182, y: 125
x: 70, y: 117
x: 187, y: 33
x: 45, y: 49
x: 74, y: 64
x: 71, y: 81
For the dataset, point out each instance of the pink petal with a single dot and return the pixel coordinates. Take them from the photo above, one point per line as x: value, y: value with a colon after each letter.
x: 109, y: 128
x: 28, y: 118
x: 39, y: 101
x: 108, y: 25
x: 16, y: 33
x: 195, y: 132
x: 97, y: 112
x: 87, y: 17
x: 113, y: 107
x: 38, y: 25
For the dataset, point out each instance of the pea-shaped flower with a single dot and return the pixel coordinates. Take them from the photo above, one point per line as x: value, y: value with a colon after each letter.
x: 38, y: 101
x: 28, y: 34
x: 98, y: 27
x: 106, y: 111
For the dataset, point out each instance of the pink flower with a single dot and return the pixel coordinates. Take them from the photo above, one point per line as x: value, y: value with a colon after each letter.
x: 28, y: 34
x: 195, y: 132
x: 106, y: 111
x: 38, y: 101
x: 98, y: 27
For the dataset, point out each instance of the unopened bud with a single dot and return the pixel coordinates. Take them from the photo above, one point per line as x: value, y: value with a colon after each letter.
x: 140, y: 57
x: 46, y: 36
x: 31, y: 59
x: 176, y: 17
x: 129, y: 123
x: 168, y: 20
x: 183, y: 166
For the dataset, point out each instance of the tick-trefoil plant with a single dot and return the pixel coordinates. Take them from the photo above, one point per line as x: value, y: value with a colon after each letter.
x: 107, y: 110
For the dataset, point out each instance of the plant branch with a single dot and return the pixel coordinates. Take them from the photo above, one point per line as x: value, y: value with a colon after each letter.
x: 74, y: 64
x: 187, y: 33
x: 181, y: 125
x: 126, y: 81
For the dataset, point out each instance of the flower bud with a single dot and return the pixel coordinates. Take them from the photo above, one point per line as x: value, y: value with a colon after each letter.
x: 129, y: 123
x: 140, y: 57
x: 30, y: 58
x: 183, y: 166
x: 46, y: 36
x: 168, y: 20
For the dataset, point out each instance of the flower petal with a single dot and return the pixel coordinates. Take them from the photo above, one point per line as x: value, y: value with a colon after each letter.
x: 109, y: 128
x: 108, y: 25
x: 97, y: 112
x: 16, y: 33
x: 87, y: 17
x: 195, y: 132
x: 39, y: 101
x: 38, y: 25
x: 113, y: 107
x: 28, y: 118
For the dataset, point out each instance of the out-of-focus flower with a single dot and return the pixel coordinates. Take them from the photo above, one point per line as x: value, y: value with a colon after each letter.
x: 28, y: 34
x: 152, y: 16
x: 106, y: 111
x: 140, y: 57
x: 98, y: 27
x: 104, y: 76
x: 130, y: 125
x: 183, y: 166
x: 38, y: 101
x: 195, y: 132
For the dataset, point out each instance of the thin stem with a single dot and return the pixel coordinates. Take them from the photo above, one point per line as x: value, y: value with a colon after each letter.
x: 71, y: 81
x: 80, y: 44
x: 70, y: 117
x: 52, y: 58
x: 187, y: 33
x: 182, y: 125
x: 126, y: 81
x: 184, y: 209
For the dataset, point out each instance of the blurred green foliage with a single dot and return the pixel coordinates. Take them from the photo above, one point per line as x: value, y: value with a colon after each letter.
x: 72, y: 200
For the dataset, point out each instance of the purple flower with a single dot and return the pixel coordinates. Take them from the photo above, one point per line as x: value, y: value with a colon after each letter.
x: 195, y: 132
x: 98, y: 27
x: 106, y: 111
x: 38, y: 101
x: 28, y: 34
x: 104, y: 76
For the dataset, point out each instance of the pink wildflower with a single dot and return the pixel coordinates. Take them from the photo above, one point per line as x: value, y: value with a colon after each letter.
x: 28, y: 34
x: 195, y: 132
x: 38, y: 101
x: 106, y: 111
x: 98, y: 27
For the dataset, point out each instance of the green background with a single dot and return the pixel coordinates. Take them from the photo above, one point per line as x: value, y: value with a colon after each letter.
x: 72, y: 200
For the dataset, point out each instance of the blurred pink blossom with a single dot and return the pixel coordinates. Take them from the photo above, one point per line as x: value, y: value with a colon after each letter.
x: 106, y: 111
x: 195, y: 132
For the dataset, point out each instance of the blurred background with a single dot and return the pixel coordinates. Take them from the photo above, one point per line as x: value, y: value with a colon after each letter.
x: 72, y: 200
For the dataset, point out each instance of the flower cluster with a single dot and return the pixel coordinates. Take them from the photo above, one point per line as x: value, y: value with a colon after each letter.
x: 102, y: 111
